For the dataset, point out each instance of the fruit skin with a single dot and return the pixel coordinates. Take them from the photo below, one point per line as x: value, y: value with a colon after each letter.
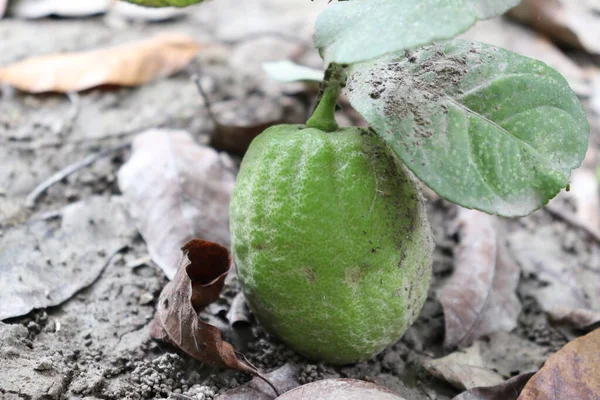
x: 331, y: 241
x: 165, y: 3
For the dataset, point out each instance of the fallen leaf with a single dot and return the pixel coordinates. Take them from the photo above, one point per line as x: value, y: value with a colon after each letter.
x: 572, y: 22
x: 130, y: 64
x: 507, y: 390
x: 577, y: 318
x: 479, y: 298
x: 63, y: 8
x: 177, y: 190
x: 336, y: 389
x: 45, y: 261
x: 464, y: 369
x: 239, y: 311
x: 571, y: 373
x: 527, y: 42
x: 563, y: 284
x: 198, y: 282
x: 283, y: 378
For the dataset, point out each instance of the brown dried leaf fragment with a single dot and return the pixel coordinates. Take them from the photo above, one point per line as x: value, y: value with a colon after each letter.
x: 571, y: 373
x: 480, y: 297
x: 197, y: 283
x: 507, y: 390
x: 130, y: 64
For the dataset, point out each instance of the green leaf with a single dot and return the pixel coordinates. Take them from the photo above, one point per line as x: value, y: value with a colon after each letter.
x: 164, y: 3
x: 483, y: 127
x: 287, y: 71
x: 353, y: 31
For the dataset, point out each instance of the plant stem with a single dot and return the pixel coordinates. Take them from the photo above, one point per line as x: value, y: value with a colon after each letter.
x: 323, y: 117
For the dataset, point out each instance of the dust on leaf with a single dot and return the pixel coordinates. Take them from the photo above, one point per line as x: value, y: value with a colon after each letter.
x: 198, y: 282
x: 130, y: 64
x: 480, y: 297
x: 176, y: 190
x: 483, y: 127
x: 570, y: 373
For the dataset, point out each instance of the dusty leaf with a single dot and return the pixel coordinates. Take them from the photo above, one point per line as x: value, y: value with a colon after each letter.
x: 573, y: 22
x: 479, y: 298
x: 130, y: 64
x: 283, y: 378
x: 176, y: 190
x: 45, y: 261
x: 335, y: 389
x: 464, y: 369
x: 63, y: 8
x: 198, y: 282
x: 507, y: 390
x: 571, y: 373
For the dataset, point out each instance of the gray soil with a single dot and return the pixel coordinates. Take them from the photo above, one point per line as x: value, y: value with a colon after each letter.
x: 96, y: 344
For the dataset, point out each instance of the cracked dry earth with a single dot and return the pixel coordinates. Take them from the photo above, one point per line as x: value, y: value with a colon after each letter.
x: 96, y: 345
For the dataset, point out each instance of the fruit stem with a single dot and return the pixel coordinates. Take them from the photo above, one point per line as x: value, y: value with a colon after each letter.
x: 323, y: 117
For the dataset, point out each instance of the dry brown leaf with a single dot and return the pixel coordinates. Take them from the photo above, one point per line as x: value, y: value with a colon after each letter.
x: 130, y: 64
x: 507, y: 390
x: 479, y: 298
x: 198, y: 282
x: 337, y: 389
x: 464, y: 369
x: 573, y: 372
x: 573, y: 22
x: 177, y: 190
x: 284, y: 378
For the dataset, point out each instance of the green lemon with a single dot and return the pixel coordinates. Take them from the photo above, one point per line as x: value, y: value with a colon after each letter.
x: 165, y: 3
x: 331, y: 241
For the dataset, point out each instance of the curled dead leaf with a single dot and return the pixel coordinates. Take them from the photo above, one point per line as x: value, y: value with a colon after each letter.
x: 480, y: 297
x: 571, y: 373
x: 197, y: 283
x: 130, y: 64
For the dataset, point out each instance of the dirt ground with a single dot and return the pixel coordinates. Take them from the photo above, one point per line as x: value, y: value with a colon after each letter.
x: 96, y: 344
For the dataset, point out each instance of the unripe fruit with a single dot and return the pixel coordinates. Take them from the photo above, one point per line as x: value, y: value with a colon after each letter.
x: 331, y: 241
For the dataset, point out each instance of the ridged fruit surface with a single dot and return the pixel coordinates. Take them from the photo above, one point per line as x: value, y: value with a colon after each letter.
x: 331, y: 241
